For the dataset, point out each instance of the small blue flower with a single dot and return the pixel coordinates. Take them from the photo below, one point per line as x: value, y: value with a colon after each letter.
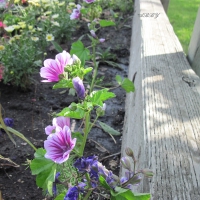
x: 85, y: 164
x: 72, y: 193
x: 8, y: 122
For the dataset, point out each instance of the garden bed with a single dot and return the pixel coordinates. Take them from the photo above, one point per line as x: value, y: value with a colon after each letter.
x: 32, y: 111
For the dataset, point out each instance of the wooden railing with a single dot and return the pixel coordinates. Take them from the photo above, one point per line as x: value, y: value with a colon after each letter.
x: 162, y: 120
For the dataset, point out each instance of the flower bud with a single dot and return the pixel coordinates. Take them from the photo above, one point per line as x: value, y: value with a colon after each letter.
x: 73, y: 106
x: 8, y: 122
x: 126, y: 163
x: 100, y: 111
x: 129, y: 152
x: 79, y: 87
x: 147, y: 172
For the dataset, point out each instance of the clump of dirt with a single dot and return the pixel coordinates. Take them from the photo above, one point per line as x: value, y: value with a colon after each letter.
x: 32, y: 111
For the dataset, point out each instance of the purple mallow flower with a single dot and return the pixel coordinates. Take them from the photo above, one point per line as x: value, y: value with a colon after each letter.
x: 59, y: 145
x: 76, y: 12
x: 53, y: 69
x: 79, y: 87
x: 8, y: 122
x: 58, y: 122
x: 89, y: 1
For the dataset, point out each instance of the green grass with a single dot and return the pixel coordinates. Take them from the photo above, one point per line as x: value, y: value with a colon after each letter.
x: 182, y: 15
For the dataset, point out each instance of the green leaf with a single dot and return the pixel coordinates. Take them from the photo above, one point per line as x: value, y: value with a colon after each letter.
x: 87, y: 70
x: 97, y: 97
x: 45, y: 169
x: 60, y: 196
x: 80, y: 51
x: 63, y: 84
x: 109, y: 129
x: 104, y: 183
x: 77, y: 114
x: 57, y: 46
x: 40, y: 163
x: 128, y: 85
x: 45, y: 179
x: 118, y: 79
x: 104, y: 23
x: 127, y: 194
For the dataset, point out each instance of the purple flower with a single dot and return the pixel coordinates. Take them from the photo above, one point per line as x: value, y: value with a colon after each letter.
x: 53, y: 69
x: 57, y: 122
x: 76, y: 12
x: 130, y: 175
x: 54, y: 183
x: 79, y: 87
x: 64, y: 59
x: 102, y: 40
x: 59, y: 145
x: 93, y: 33
x: 85, y: 164
x: 89, y: 1
x: 8, y: 122
x: 73, y: 192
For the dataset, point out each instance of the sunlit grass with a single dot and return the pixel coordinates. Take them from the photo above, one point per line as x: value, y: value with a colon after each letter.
x: 182, y: 15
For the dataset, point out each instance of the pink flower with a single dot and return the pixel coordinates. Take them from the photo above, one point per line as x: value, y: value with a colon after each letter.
x: 2, y: 25
x: 89, y: 1
x: 59, y: 145
x: 57, y: 122
x: 101, y: 40
x: 93, y: 33
x: 76, y: 12
x: 54, y: 68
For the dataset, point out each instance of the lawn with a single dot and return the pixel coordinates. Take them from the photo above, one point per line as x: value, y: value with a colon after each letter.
x: 182, y: 15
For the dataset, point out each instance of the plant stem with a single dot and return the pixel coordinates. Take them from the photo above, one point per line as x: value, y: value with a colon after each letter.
x: 20, y: 135
x: 95, y: 67
x: 85, y: 131
x: 89, y: 184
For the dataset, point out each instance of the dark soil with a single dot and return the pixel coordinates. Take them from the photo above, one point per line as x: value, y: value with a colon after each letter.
x: 32, y: 112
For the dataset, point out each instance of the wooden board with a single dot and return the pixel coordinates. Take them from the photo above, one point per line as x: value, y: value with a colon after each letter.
x: 162, y: 121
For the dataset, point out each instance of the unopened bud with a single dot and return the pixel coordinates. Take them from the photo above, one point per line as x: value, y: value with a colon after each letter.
x: 147, y: 172
x: 126, y: 162
x: 73, y: 106
x: 129, y: 152
x: 100, y: 111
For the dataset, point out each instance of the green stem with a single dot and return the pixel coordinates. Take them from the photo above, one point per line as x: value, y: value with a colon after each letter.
x: 20, y: 136
x: 85, y: 131
x: 95, y: 67
x: 89, y: 184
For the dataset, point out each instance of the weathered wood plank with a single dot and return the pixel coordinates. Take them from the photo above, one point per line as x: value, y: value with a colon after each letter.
x: 163, y: 115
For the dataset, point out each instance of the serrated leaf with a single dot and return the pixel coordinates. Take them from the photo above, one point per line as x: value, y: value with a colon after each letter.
x: 45, y: 179
x: 118, y: 79
x: 80, y: 51
x: 40, y: 153
x: 63, y: 84
x: 109, y: 129
x: 57, y: 46
x: 128, y: 85
x: 97, y: 97
x: 104, y: 23
x: 40, y: 164
x: 77, y: 114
